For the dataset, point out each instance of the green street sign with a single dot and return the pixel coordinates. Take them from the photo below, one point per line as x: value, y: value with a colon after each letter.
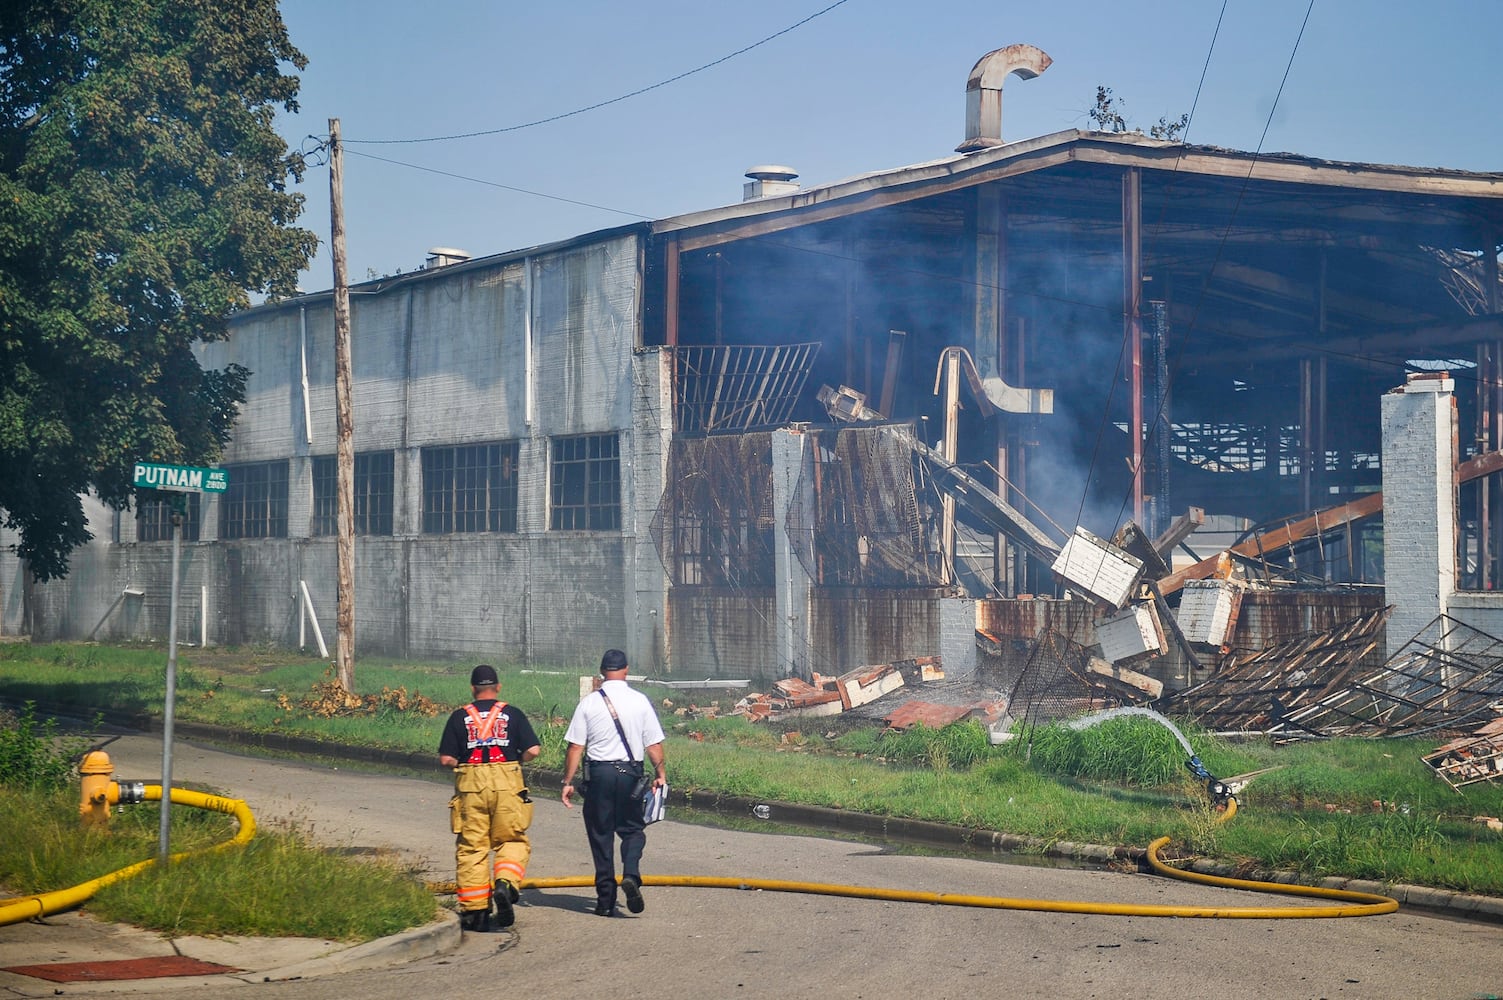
x: 182, y: 478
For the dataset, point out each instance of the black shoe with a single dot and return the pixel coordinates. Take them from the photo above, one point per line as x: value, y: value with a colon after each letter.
x: 602, y: 910
x: 472, y: 920
x: 502, y: 897
x: 633, y: 889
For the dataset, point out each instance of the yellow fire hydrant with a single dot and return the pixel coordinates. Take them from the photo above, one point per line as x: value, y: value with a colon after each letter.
x: 98, y: 790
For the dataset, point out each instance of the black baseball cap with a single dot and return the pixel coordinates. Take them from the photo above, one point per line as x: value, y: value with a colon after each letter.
x: 613, y: 659
x: 484, y: 676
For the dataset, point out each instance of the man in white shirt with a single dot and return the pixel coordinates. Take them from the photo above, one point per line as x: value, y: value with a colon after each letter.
x: 613, y: 729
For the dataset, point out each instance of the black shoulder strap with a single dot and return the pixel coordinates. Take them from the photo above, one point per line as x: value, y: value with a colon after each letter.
x: 617, y: 720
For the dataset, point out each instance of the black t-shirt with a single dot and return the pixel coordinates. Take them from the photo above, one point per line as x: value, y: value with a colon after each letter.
x: 478, y: 734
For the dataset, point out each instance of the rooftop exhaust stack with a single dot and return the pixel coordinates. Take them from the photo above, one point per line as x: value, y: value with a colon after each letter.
x: 444, y: 256
x: 983, y: 92
x: 768, y: 180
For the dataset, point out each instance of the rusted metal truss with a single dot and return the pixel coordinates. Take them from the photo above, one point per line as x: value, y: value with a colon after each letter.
x: 738, y: 387
x: 1256, y: 692
x: 1465, y: 277
x: 1469, y: 760
x: 1263, y: 545
x: 1449, y: 677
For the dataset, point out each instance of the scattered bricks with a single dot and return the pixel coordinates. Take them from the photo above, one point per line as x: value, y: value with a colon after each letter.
x: 990, y: 712
x: 924, y: 713
x: 821, y: 703
x: 867, y: 684
x: 754, y: 708
x: 934, y: 716
x: 795, y: 686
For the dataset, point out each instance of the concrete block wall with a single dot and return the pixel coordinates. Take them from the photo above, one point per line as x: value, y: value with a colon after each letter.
x: 1419, y: 503
x: 524, y: 348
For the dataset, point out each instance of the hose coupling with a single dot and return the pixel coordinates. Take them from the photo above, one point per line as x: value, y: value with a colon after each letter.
x: 132, y: 792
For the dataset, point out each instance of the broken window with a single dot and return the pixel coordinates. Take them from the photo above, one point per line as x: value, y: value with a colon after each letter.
x: 867, y: 524
x: 714, y: 526
x: 738, y: 387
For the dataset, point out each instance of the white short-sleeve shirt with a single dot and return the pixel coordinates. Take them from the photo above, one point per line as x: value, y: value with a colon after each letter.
x: 592, y: 728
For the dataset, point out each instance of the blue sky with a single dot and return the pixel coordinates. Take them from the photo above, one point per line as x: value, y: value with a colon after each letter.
x: 868, y: 85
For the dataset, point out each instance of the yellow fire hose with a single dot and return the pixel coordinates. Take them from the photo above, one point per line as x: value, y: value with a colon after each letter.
x: 1356, y: 904
x: 31, y: 907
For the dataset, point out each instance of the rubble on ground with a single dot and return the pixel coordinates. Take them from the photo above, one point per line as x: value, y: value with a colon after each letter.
x: 824, y: 695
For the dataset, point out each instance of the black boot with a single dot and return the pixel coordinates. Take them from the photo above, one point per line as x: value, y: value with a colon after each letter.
x: 473, y: 920
x: 502, y: 897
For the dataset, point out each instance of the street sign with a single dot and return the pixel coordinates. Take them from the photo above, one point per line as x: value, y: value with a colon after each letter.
x: 182, y: 478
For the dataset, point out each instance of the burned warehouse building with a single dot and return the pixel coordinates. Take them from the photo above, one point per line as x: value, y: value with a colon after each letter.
x: 865, y: 422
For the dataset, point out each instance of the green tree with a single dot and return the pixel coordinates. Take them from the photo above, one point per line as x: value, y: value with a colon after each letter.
x: 143, y: 199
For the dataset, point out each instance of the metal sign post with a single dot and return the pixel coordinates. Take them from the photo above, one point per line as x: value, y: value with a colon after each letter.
x: 179, y: 479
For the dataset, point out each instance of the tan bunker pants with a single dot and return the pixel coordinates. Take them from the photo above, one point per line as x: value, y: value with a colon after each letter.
x: 489, y: 812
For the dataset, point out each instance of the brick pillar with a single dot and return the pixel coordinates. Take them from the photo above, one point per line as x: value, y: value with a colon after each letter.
x: 1419, y: 503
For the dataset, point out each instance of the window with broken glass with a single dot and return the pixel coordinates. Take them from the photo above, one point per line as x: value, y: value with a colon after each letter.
x: 374, y: 489
x: 154, y: 520
x: 586, y: 483
x: 470, y: 488
x: 255, y: 505
x: 714, y: 525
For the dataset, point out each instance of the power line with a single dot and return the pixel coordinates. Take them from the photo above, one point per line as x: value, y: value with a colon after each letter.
x: 1220, y: 251
x: 497, y: 184
x: 614, y: 100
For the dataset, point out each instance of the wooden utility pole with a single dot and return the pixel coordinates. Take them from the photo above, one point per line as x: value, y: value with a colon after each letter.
x: 344, y: 411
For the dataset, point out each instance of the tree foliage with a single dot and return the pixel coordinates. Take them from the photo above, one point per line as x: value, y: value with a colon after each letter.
x: 1110, y: 115
x: 143, y: 199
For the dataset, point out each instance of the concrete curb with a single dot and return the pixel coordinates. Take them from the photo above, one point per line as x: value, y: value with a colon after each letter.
x: 438, y: 938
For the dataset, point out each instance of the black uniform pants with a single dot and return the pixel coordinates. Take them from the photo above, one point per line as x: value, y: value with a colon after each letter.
x: 610, y: 811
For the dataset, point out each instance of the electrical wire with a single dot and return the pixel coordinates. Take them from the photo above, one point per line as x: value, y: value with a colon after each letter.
x: 606, y: 103
x: 1220, y: 252
x: 497, y: 184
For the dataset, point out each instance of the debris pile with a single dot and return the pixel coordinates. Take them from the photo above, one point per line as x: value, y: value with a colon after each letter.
x: 1478, y: 757
x: 1256, y: 692
x: 1446, y: 679
x: 793, y: 696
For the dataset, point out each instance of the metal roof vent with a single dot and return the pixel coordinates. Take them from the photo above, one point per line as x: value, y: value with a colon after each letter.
x: 767, y: 181
x: 983, y: 92
x: 444, y: 256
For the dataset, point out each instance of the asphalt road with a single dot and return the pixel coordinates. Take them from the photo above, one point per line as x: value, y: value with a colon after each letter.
x: 713, y: 943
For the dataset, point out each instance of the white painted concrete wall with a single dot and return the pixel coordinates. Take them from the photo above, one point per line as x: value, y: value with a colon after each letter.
x: 518, y: 349
x: 1419, y: 503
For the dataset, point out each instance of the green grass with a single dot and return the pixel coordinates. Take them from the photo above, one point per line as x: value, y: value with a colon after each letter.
x: 1354, y: 807
x: 280, y: 884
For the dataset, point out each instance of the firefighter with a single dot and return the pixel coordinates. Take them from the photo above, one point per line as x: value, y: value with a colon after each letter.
x: 486, y: 743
